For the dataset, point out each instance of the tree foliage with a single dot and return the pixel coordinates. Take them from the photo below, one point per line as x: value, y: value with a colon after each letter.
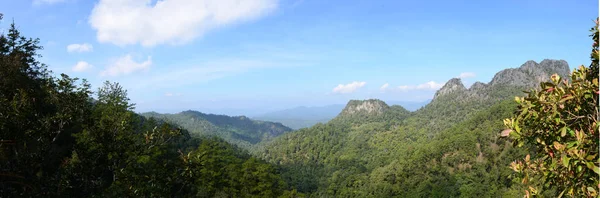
x: 57, y: 141
x: 239, y: 130
x: 560, y: 123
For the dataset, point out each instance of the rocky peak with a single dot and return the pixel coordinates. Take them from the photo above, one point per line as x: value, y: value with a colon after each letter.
x: 454, y: 84
x: 531, y: 74
x: 477, y: 86
x: 371, y: 106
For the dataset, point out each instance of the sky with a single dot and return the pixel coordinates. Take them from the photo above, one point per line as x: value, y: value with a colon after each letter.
x: 255, y: 56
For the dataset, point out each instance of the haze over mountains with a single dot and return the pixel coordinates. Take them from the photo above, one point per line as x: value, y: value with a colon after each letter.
x: 529, y: 74
x: 301, y: 117
x: 454, y: 101
x: 238, y: 130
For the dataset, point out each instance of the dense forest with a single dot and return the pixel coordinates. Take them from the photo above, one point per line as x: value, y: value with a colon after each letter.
x: 60, y: 139
x: 530, y: 131
x: 239, y: 130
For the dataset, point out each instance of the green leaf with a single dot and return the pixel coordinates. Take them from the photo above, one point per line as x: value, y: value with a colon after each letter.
x: 590, y: 189
x: 590, y: 157
x: 591, y: 165
x: 566, y: 98
x: 563, y: 132
x: 571, y: 132
x: 565, y: 161
x: 561, y: 194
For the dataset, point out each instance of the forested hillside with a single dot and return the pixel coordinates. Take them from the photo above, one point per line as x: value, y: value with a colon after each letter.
x: 532, y: 130
x: 451, y: 147
x: 302, y: 117
x: 57, y: 141
x: 238, y: 130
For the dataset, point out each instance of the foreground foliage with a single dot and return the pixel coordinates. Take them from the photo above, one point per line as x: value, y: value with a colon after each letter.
x: 57, y: 141
x: 560, y: 123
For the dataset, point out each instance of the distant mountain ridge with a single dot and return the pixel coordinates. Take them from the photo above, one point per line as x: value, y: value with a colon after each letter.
x: 448, y: 148
x: 302, y: 117
x: 239, y: 130
x: 529, y: 74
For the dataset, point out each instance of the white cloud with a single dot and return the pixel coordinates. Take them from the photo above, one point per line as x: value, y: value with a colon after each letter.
x: 178, y: 76
x: 124, y: 22
x: 348, y: 88
x: 405, y: 87
x: 466, y: 75
x: 82, y: 66
x: 384, y: 87
x: 168, y: 94
x: 85, y: 47
x: 40, y: 2
x: 431, y: 85
x: 126, y: 65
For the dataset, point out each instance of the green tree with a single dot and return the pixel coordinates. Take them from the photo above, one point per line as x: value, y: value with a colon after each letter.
x: 560, y: 123
x: 38, y: 114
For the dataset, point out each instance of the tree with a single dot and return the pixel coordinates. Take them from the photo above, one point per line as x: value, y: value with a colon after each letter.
x: 594, y: 55
x: 560, y: 123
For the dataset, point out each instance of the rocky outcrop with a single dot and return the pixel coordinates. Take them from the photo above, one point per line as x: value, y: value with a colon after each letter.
x: 453, y: 85
x: 372, y: 106
x: 477, y: 86
x: 531, y: 74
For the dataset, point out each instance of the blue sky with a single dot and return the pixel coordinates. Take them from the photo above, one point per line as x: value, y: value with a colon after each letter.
x: 263, y: 55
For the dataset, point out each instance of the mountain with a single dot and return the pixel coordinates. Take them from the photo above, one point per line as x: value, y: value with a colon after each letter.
x: 239, y: 130
x: 410, y: 105
x: 302, y: 117
x: 372, y: 110
x: 448, y: 148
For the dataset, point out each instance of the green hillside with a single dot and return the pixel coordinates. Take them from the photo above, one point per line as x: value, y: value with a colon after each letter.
x: 531, y: 131
x: 451, y: 147
x: 238, y: 130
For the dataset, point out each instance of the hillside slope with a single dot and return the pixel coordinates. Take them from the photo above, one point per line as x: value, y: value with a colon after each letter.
x: 301, y: 117
x: 450, y: 147
x: 239, y: 130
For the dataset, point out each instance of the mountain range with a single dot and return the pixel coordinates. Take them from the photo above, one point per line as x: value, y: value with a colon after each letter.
x: 302, y: 117
x: 367, y: 148
x: 448, y: 148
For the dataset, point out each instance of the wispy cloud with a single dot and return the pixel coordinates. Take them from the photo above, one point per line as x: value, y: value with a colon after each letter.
x: 348, y: 88
x: 169, y: 94
x: 466, y: 75
x: 41, y: 2
x: 170, y: 21
x: 384, y: 87
x: 84, y: 47
x: 177, y: 76
x: 126, y: 65
x: 82, y: 66
x: 431, y: 85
